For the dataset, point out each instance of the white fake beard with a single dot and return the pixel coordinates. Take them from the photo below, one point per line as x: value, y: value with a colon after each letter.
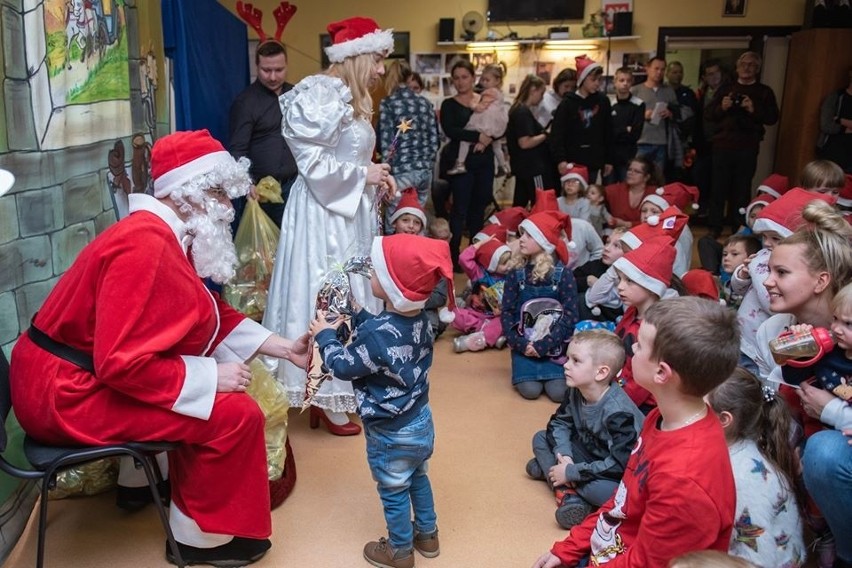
x: 213, y: 251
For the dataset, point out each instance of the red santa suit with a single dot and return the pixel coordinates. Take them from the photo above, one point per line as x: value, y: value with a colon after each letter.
x: 133, y: 300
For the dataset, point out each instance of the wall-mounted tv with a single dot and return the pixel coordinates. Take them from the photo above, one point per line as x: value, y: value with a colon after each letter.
x: 535, y: 10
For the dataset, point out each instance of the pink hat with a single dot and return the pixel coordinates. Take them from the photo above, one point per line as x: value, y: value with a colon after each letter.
x: 408, y: 267
x: 411, y: 205
x: 784, y: 215
x: 499, y: 232
x: 546, y: 228
x: 669, y: 223
x: 699, y: 282
x: 488, y: 255
x: 775, y: 185
x: 577, y: 172
x: 509, y: 218
x: 585, y: 65
x: 182, y: 156
x: 678, y: 194
x: 845, y: 199
x: 762, y: 199
x: 545, y: 200
x: 357, y: 36
x: 650, y: 265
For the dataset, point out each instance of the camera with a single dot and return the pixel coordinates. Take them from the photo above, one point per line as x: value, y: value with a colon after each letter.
x: 737, y: 99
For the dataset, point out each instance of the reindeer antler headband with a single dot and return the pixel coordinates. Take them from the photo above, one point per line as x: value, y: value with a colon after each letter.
x: 254, y: 17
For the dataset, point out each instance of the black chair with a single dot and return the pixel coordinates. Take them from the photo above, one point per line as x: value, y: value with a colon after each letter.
x: 47, y: 461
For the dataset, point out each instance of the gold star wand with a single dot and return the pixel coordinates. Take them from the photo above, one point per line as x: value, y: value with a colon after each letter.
x: 401, y: 128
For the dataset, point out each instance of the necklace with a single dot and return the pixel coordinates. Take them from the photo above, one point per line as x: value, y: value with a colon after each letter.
x: 700, y: 414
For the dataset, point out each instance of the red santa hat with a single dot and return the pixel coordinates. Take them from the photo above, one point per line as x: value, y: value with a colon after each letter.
x: 546, y: 228
x: 845, y: 199
x: 357, y: 36
x: 784, y: 215
x: 499, y: 232
x: 682, y: 196
x: 761, y: 199
x: 509, y: 218
x: 670, y: 223
x: 408, y: 267
x: 577, y: 172
x: 409, y: 204
x: 775, y: 185
x: 585, y: 65
x: 701, y: 283
x: 184, y: 156
x: 488, y: 255
x: 650, y: 265
x: 7, y: 180
x: 545, y: 200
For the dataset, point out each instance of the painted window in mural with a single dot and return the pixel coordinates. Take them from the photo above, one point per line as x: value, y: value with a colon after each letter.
x: 88, y: 73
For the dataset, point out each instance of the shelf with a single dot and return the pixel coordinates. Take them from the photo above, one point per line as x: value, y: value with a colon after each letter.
x: 514, y: 43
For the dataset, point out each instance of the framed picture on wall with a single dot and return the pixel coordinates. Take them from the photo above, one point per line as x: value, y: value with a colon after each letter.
x: 734, y: 8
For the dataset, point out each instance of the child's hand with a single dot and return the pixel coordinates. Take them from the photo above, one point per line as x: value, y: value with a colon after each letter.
x: 557, y: 472
x: 590, y: 280
x: 742, y: 270
x: 547, y: 560
x: 530, y: 351
x: 848, y: 433
x: 801, y: 328
x: 321, y: 323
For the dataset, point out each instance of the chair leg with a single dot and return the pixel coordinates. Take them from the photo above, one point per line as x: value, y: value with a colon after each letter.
x: 150, y: 465
x: 42, y: 519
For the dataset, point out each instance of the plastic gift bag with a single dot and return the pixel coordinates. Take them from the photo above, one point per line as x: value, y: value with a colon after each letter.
x: 272, y: 400
x: 87, y: 479
x: 256, y: 242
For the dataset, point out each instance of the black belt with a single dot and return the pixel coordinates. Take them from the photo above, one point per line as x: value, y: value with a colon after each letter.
x: 82, y: 360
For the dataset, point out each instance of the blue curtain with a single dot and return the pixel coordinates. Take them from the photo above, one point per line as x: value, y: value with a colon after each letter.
x: 208, y: 48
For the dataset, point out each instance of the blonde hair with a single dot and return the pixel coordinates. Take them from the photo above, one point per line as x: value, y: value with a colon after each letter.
x: 826, y: 240
x: 398, y: 73
x: 495, y: 70
x: 709, y: 559
x: 542, y: 264
x: 355, y: 72
x: 606, y: 349
x: 818, y: 174
x: 843, y: 299
x: 440, y: 228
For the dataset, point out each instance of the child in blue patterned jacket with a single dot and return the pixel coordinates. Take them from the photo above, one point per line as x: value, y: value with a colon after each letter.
x: 388, y: 362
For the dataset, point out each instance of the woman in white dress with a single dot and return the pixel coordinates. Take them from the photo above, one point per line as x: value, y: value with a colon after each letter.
x: 332, y: 211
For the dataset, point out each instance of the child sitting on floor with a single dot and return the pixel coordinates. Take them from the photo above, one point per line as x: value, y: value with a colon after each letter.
x: 538, y: 332
x: 573, y: 201
x: 588, y: 440
x: 677, y: 494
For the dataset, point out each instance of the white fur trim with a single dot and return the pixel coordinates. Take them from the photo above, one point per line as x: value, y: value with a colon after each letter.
x: 841, y: 201
x: 394, y: 293
x: 493, y: 219
x: 379, y: 41
x: 446, y: 315
x: 585, y: 73
x: 242, y: 343
x: 187, y: 531
x: 656, y: 200
x: 537, y: 236
x: 7, y: 180
x: 175, y: 178
x: 478, y: 237
x: 653, y: 220
x: 495, y: 258
x: 761, y: 225
x: 576, y: 176
x: 199, y: 387
x: 411, y: 211
x: 631, y: 240
x: 768, y: 190
x: 651, y: 284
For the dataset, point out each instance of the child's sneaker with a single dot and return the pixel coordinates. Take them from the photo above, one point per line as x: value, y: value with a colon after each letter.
x: 501, y: 342
x: 457, y: 169
x: 427, y: 544
x: 380, y: 553
x: 572, y: 511
x: 534, y: 469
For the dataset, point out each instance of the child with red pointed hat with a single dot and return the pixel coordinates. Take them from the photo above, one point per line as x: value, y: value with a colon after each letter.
x: 645, y: 277
x: 684, y: 198
x: 575, y: 182
x: 388, y: 362
x: 486, y: 263
x: 583, y: 242
x: 540, y: 306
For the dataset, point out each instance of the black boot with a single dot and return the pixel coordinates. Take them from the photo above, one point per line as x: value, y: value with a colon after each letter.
x: 133, y: 499
x: 239, y: 552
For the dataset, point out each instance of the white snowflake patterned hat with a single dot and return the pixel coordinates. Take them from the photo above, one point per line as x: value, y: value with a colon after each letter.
x: 357, y: 36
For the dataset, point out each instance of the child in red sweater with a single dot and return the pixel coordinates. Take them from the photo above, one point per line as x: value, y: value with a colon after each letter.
x: 677, y: 494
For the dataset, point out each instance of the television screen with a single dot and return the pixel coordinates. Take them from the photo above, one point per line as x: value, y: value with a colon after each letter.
x: 535, y: 10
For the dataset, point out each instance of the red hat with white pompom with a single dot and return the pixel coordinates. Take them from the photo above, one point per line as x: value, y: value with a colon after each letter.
x: 409, y: 267
x: 509, y: 218
x: 547, y: 229
x: 499, y: 232
x: 545, y: 200
x: 650, y: 265
x: 585, y: 65
x: 357, y: 36
x: 775, y: 185
x: 701, y: 283
x: 784, y: 215
x: 488, y: 255
x: 678, y: 194
x: 670, y: 223
x: 578, y: 172
x: 409, y: 204
x: 761, y: 199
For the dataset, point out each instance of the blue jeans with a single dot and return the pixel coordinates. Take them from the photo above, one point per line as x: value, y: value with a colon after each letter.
x: 399, y: 461
x: 421, y: 180
x: 827, y: 467
x: 656, y: 153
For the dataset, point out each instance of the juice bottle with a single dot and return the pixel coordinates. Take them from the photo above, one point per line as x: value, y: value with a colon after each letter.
x: 801, y: 349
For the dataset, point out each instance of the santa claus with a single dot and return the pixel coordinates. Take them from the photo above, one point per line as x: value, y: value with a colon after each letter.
x: 130, y: 345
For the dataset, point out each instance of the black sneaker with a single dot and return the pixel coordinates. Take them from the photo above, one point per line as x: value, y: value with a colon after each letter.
x: 133, y: 499
x: 572, y: 511
x: 534, y: 469
x: 239, y: 552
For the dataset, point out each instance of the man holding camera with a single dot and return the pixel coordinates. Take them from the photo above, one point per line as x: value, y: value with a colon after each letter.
x: 740, y: 110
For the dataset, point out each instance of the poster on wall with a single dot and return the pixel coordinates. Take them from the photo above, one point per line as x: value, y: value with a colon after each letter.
x: 85, y: 45
x: 610, y: 7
